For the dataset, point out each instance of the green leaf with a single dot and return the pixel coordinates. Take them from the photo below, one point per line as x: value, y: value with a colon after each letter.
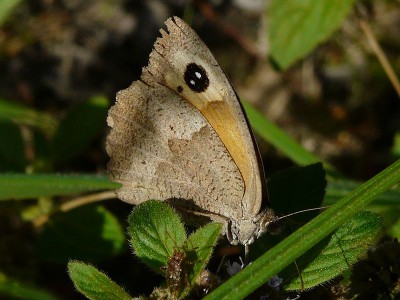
x: 283, y: 254
x: 12, y: 154
x: 14, y: 289
x: 334, y: 254
x: 23, y: 186
x: 297, y: 189
x: 198, y: 248
x: 14, y: 112
x: 87, y: 233
x: 94, y: 284
x: 155, y: 230
x: 296, y: 27
x: 79, y: 128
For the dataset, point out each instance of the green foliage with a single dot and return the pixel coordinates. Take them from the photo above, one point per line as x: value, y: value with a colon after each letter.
x: 200, y: 245
x: 55, y: 141
x: 298, y: 243
x: 157, y: 234
x: 334, y: 254
x: 87, y: 233
x: 330, y: 253
x: 296, y: 27
x: 337, y: 251
x: 95, y: 285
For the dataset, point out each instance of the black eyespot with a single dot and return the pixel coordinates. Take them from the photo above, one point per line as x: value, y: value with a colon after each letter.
x: 196, y: 78
x: 179, y: 89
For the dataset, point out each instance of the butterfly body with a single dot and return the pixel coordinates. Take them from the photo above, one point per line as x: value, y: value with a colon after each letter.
x: 180, y: 134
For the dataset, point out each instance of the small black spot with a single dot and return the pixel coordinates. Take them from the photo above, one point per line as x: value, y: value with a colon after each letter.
x: 196, y: 78
x: 179, y: 89
x: 171, y: 127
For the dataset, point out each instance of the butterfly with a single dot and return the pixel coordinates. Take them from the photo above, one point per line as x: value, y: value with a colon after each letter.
x: 180, y: 134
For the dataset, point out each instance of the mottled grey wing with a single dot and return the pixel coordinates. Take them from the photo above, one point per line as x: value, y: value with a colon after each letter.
x: 161, y: 147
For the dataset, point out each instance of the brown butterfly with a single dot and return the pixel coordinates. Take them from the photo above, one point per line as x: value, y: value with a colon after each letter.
x: 180, y: 134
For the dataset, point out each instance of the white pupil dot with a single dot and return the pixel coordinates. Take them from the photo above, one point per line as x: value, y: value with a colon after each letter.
x: 192, y: 82
x: 198, y: 75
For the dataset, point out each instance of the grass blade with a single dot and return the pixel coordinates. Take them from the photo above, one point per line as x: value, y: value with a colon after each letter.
x: 23, y: 186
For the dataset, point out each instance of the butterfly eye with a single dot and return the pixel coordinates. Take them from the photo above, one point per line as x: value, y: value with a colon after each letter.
x: 196, y: 78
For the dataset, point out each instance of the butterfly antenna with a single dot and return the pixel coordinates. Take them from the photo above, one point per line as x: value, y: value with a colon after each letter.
x: 301, y: 211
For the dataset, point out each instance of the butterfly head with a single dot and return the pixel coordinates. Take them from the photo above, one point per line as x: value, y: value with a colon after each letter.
x: 245, y: 231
